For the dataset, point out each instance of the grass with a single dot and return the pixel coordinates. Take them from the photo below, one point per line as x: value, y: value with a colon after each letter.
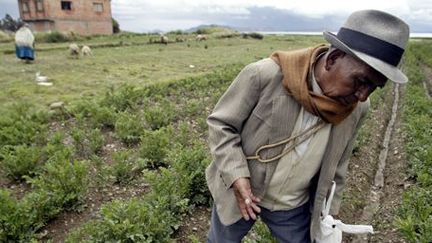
x: 134, y: 64
x: 414, y: 218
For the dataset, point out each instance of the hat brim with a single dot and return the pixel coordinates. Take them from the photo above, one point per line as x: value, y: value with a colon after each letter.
x: 390, y: 71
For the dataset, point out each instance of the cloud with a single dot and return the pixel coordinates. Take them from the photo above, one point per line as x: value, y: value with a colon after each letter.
x: 303, y: 15
x: 9, y: 7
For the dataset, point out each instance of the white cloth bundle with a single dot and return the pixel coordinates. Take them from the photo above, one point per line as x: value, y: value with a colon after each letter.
x: 331, y: 229
x: 24, y: 37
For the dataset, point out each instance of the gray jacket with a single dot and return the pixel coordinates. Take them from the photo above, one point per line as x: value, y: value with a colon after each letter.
x: 257, y: 110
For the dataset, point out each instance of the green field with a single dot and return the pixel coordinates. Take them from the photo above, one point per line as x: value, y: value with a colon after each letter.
x: 135, y: 62
x: 123, y: 160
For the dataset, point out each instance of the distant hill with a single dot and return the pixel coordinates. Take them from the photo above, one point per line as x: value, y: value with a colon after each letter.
x: 211, y: 28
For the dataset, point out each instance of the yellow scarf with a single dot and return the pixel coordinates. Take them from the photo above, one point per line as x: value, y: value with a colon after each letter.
x: 296, y: 66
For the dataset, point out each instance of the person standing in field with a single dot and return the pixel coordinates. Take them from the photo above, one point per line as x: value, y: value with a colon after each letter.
x: 24, y: 44
x: 285, y: 128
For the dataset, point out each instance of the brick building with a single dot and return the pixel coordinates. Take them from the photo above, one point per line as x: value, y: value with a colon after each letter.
x: 84, y: 17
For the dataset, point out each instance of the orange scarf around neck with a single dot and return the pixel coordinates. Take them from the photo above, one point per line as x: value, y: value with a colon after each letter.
x: 296, y: 66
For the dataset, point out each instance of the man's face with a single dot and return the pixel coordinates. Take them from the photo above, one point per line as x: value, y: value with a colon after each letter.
x: 351, y: 80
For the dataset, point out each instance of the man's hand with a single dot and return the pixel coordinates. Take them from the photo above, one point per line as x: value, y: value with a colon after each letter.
x: 245, y: 199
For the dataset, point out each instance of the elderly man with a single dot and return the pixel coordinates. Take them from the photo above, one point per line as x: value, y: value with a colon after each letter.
x: 285, y: 128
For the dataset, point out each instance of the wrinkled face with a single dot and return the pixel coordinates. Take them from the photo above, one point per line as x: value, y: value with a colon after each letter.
x: 350, y: 80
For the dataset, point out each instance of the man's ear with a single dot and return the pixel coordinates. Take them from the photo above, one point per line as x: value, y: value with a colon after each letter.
x: 332, y: 56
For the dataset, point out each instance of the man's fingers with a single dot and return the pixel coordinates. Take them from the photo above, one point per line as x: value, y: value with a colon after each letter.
x: 251, y: 209
x: 245, y: 199
x: 255, y: 208
x: 244, y: 212
x: 251, y: 212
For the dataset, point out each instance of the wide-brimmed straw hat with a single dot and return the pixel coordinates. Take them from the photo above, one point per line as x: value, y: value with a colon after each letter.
x: 375, y: 37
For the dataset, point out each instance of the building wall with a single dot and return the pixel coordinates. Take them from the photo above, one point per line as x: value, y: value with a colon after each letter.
x: 81, y: 18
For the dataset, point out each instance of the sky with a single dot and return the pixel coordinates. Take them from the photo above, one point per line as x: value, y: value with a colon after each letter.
x: 253, y: 15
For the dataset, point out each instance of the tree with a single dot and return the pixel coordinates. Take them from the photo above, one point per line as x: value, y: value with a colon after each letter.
x: 116, y: 26
x: 10, y: 24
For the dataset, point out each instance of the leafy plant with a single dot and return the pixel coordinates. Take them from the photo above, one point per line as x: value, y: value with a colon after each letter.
x: 123, y: 167
x: 20, y: 220
x: 99, y: 116
x: 96, y: 140
x: 129, y: 128
x: 154, y: 146
x: 128, y: 221
x: 160, y: 115
x: 23, y: 124
x: 14, y: 226
x: 125, y: 98
x: 19, y: 161
x: 67, y: 180
x: 190, y: 165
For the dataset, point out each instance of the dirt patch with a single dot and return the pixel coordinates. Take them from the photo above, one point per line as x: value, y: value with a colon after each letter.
x: 396, y: 182
x: 195, y: 226
x: 363, y: 164
x: 17, y: 189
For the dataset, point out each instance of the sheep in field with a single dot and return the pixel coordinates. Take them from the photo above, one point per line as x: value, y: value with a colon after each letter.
x: 201, y: 37
x: 74, y: 50
x: 86, y: 51
x: 164, y: 39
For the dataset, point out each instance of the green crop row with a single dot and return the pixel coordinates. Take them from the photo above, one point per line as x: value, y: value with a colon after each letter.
x: 59, y: 185
x: 175, y: 148
x: 157, y: 125
x: 156, y: 216
x: 415, y: 214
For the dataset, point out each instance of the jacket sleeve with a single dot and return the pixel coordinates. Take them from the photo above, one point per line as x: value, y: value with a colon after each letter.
x: 342, y: 168
x: 226, y: 124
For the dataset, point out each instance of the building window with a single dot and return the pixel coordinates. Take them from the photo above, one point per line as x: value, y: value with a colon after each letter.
x: 25, y: 7
x: 98, y: 7
x: 39, y: 5
x: 66, y: 5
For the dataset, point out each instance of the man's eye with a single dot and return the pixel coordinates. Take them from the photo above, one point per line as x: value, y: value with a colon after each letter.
x: 359, y: 82
x: 362, y: 81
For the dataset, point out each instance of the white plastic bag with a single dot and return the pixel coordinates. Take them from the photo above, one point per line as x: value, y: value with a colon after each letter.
x: 331, y: 229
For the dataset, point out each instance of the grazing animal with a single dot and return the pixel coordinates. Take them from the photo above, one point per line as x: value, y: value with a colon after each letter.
x: 164, y: 39
x: 201, y: 37
x: 86, y: 51
x: 74, y: 50
x: 40, y: 78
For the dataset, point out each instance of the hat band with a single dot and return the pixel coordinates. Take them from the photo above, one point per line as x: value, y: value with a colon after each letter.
x: 370, y: 45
